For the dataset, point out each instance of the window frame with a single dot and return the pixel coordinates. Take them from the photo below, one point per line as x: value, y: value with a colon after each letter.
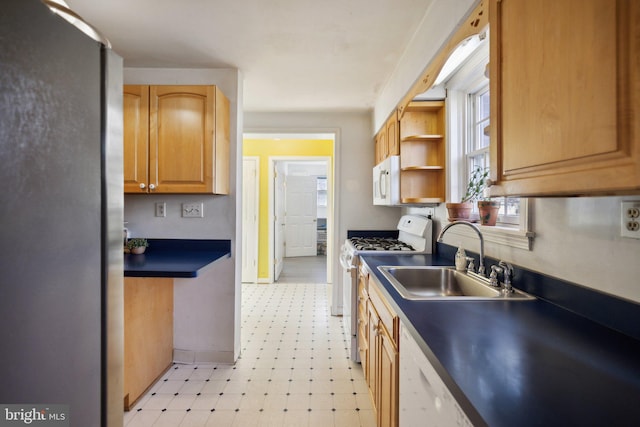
x: 476, y: 146
x: 470, y: 78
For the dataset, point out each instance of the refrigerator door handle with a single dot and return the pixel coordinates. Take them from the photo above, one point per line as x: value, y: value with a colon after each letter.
x: 78, y: 21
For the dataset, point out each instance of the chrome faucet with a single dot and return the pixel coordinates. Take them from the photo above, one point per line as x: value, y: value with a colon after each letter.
x: 493, y: 277
x: 508, y: 275
x: 506, y: 270
x: 478, y: 232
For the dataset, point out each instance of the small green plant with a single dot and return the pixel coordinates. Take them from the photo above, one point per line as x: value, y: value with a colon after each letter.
x: 477, y: 184
x: 137, y: 242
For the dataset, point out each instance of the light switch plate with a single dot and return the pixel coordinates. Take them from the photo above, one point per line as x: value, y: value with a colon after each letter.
x: 630, y: 219
x: 192, y: 210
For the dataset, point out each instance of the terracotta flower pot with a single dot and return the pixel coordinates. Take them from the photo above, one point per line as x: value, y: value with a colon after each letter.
x: 459, y: 211
x: 138, y: 250
x: 488, y: 211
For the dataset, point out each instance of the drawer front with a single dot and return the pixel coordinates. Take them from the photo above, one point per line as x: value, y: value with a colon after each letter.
x: 387, y: 315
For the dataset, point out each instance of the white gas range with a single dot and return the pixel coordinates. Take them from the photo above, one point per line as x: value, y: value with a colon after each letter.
x: 414, y: 235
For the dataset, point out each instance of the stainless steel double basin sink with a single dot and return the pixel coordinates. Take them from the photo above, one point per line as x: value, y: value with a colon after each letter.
x: 445, y: 283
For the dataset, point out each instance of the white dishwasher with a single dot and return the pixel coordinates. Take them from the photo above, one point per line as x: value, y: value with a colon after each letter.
x: 424, y: 399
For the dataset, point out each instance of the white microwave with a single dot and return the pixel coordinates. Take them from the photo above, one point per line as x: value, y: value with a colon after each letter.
x: 386, y: 182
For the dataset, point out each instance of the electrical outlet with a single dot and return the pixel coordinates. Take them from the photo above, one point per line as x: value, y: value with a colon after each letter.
x: 161, y: 209
x: 630, y: 222
x: 192, y: 210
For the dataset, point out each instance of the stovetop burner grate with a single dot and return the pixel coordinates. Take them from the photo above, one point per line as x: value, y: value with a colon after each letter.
x: 379, y: 244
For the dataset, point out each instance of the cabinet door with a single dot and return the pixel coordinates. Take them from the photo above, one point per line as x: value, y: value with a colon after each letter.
x: 136, y: 138
x: 363, y: 339
x: 181, y: 132
x: 381, y: 146
x: 387, y: 381
x: 148, y: 333
x: 565, y: 94
x: 222, y: 141
x: 373, y: 368
x: 392, y: 136
x: 363, y: 323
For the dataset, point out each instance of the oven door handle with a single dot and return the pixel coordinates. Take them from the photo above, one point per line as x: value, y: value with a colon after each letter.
x: 345, y: 261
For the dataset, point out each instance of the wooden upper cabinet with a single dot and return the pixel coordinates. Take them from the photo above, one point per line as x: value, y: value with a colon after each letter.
x: 393, y: 146
x: 386, y: 140
x: 188, y: 140
x: 565, y: 97
x: 382, y: 149
x: 136, y: 138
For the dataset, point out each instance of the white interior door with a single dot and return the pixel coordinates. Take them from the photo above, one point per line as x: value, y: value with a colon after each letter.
x: 301, y: 231
x: 250, y: 200
x: 279, y: 219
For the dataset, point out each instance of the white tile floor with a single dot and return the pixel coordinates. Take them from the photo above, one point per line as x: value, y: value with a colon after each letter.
x: 294, y: 371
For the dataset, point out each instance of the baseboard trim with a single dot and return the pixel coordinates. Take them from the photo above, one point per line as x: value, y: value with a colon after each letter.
x: 193, y: 357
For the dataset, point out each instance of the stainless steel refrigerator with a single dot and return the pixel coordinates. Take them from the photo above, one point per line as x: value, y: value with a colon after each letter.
x: 60, y: 217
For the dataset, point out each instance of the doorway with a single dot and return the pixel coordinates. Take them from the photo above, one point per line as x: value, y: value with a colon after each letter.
x: 301, y: 214
x: 273, y: 147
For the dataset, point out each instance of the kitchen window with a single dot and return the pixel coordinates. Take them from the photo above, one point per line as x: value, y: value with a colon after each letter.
x: 469, y: 128
x: 477, y: 151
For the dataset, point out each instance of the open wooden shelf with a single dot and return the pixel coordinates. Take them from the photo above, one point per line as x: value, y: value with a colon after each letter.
x: 421, y: 168
x: 420, y: 200
x: 428, y: 184
x: 422, y: 137
x: 422, y: 153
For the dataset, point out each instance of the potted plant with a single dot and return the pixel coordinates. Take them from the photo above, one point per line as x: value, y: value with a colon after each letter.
x: 475, y: 188
x: 487, y: 208
x: 488, y: 211
x: 137, y: 245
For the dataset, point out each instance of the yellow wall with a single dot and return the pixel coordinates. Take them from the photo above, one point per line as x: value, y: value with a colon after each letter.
x: 265, y: 148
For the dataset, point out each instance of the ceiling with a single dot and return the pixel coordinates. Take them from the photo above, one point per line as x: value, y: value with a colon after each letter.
x: 294, y: 55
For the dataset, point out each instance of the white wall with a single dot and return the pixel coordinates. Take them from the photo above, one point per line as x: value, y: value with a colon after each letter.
x: 440, y: 21
x: 221, y: 221
x: 202, y: 328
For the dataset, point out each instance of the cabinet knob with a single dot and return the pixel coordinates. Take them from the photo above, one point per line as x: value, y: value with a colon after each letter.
x: 142, y: 186
x: 152, y: 187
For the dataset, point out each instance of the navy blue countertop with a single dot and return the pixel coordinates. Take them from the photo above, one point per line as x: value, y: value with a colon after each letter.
x: 522, y: 363
x: 175, y: 257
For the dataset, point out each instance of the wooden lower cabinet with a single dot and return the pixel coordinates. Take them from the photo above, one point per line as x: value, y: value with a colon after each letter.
x: 379, y: 352
x: 363, y: 324
x: 387, y: 379
x: 148, y: 333
x: 373, y: 363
